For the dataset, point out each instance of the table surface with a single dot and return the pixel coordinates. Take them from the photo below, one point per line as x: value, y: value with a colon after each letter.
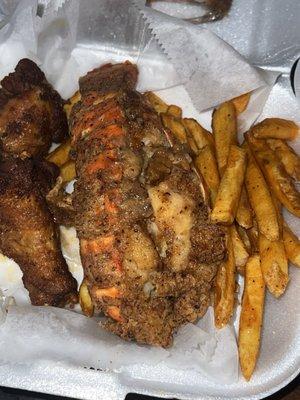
x: 290, y: 392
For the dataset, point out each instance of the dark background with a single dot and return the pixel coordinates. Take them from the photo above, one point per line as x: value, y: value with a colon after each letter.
x: 291, y: 392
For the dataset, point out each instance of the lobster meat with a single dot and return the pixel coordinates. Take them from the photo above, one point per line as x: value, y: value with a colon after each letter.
x: 148, y: 250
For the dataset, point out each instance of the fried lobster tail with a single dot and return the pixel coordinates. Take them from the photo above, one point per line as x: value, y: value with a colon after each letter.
x: 28, y: 236
x: 148, y: 250
x: 31, y: 113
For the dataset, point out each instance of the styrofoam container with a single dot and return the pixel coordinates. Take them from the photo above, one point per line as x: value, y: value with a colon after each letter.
x: 279, y: 360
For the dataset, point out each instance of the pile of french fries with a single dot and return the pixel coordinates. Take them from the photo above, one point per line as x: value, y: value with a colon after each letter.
x: 247, y: 186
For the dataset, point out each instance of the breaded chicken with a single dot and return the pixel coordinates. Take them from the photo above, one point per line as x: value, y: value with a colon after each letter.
x: 31, y: 113
x: 31, y: 117
x: 29, y: 236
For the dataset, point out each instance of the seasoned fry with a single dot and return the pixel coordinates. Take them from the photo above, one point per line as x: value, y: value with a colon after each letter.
x: 60, y: 155
x: 278, y: 208
x: 252, y: 234
x: 191, y: 142
x: 207, y: 165
x: 244, y: 214
x: 175, y: 126
x: 261, y: 201
x: 241, y: 102
x: 201, y: 136
x: 157, y: 103
x: 274, y: 265
x: 224, y: 125
x: 239, y: 249
x: 67, y: 171
x: 230, y: 188
x: 290, y: 160
x: 291, y: 245
x: 225, y: 287
x: 85, y: 300
x: 276, y: 128
x: 251, y: 316
x: 280, y: 182
x: 245, y: 238
x: 70, y: 103
x: 175, y: 111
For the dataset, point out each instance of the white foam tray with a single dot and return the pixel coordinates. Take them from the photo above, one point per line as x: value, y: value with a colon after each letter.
x: 279, y: 361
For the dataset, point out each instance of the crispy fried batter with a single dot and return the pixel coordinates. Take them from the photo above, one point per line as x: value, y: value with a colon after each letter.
x: 45, y: 175
x: 31, y: 117
x: 29, y: 236
x: 148, y: 249
x: 31, y: 113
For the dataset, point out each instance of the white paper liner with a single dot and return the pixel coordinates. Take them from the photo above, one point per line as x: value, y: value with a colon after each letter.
x: 59, y: 335
x: 65, y: 53
x: 211, y: 70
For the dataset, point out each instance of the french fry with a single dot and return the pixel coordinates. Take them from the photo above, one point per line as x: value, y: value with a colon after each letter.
x: 274, y: 265
x: 207, y: 166
x: 67, y: 171
x: 70, y: 103
x: 228, y: 195
x: 201, y: 136
x: 276, y: 128
x: 60, y: 155
x: 251, y: 316
x: 245, y: 238
x: 157, y: 103
x: 240, y: 252
x: 225, y: 287
x: 278, y: 208
x: 175, y: 126
x: 183, y: 135
x: 241, y: 102
x: 291, y: 245
x: 191, y: 142
x: 224, y: 125
x: 260, y: 200
x: 254, y: 143
x: 252, y: 234
x: 244, y: 214
x: 280, y: 182
x: 175, y: 111
x: 289, y: 159
x: 85, y: 300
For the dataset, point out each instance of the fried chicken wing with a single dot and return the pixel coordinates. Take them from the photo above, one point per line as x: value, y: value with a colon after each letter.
x: 28, y: 235
x: 148, y: 250
x: 31, y: 117
x: 31, y: 113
